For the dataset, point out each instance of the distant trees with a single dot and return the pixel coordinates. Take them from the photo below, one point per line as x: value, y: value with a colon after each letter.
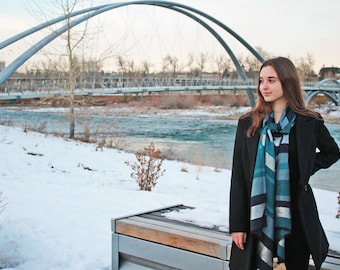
x: 85, y: 71
x: 170, y: 64
x: 224, y: 66
x: 201, y: 61
x: 305, y: 66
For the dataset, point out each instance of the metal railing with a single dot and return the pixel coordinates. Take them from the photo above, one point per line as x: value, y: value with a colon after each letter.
x: 26, y: 88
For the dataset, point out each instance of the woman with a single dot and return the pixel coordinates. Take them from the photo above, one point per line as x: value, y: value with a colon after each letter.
x: 278, y: 146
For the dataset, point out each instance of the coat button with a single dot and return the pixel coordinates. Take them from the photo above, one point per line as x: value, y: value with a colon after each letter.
x: 305, y: 188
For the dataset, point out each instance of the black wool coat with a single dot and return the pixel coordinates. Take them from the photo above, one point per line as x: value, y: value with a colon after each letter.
x: 315, y: 149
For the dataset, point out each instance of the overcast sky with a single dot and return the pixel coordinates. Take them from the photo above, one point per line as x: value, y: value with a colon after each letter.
x: 289, y: 28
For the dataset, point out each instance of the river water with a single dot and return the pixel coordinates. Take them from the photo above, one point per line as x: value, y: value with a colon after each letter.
x: 195, y: 137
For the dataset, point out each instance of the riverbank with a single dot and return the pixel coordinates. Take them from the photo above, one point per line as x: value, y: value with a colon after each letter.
x: 330, y: 113
x: 202, y: 135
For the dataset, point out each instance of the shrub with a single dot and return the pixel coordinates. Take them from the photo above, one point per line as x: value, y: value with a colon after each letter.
x: 147, y: 169
x: 40, y: 127
x: 177, y: 102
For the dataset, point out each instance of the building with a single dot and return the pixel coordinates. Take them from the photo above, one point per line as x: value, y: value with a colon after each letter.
x: 329, y: 72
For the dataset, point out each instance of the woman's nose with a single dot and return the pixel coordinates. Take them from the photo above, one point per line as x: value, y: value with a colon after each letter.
x: 264, y: 85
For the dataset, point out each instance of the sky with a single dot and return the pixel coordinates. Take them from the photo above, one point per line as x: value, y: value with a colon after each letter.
x: 58, y: 197
x: 290, y: 28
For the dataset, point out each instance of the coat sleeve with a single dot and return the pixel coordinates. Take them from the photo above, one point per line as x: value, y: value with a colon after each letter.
x: 239, y: 199
x: 328, y: 150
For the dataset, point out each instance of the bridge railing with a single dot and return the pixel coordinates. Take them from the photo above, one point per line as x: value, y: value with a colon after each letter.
x: 47, y: 84
x: 30, y: 88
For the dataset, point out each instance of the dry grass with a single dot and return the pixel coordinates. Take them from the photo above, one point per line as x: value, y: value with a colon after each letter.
x: 168, y: 100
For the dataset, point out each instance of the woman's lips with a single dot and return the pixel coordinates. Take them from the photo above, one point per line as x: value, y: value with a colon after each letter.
x: 266, y: 94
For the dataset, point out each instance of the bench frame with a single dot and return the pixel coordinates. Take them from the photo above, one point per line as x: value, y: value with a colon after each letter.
x: 167, y: 255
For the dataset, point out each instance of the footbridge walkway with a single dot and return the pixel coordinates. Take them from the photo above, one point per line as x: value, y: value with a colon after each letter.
x: 28, y: 89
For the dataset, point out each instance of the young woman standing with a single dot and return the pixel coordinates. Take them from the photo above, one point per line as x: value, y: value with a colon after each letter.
x: 278, y: 146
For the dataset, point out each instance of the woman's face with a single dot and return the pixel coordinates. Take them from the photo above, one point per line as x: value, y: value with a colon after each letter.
x: 270, y: 86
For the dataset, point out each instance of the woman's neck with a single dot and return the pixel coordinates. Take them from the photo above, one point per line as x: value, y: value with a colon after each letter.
x: 278, y: 108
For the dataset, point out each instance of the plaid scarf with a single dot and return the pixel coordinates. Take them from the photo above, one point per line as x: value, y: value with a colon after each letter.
x: 270, y: 193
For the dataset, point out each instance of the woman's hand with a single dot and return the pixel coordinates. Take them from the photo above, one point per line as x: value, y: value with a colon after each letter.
x: 239, y: 239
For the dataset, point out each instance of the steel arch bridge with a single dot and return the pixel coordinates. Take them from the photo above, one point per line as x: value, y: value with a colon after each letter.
x: 89, y: 13
x: 329, y: 87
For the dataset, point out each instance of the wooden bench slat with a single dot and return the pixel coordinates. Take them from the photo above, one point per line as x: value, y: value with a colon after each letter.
x: 189, y: 228
x: 172, y: 237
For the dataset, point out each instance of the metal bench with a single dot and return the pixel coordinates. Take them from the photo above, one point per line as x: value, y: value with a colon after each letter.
x: 151, y: 241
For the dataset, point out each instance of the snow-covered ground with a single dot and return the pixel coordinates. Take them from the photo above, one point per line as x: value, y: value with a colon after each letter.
x: 59, y: 197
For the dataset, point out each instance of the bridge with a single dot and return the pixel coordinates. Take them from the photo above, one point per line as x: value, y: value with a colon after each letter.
x: 117, y: 85
x: 330, y: 88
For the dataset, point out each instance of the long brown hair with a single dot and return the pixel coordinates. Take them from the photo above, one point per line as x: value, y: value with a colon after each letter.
x: 292, y: 91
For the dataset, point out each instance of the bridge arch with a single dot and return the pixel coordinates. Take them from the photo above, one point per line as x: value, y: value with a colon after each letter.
x: 330, y: 91
x: 92, y: 12
x: 327, y: 81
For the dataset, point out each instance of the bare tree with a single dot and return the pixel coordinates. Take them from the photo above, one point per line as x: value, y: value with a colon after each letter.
x: 72, y: 41
x: 305, y: 67
x: 72, y: 38
x: 252, y: 66
x: 131, y: 66
x: 265, y: 54
x: 190, y: 62
x: 170, y: 64
x: 201, y: 61
x: 223, y: 65
x: 146, y: 67
x: 174, y: 65
x: 121, y: 63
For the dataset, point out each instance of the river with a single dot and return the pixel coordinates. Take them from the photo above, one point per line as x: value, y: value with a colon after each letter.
x: 195, y: 136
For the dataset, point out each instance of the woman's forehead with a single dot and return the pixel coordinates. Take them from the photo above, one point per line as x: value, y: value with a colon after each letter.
x: 268, y: 72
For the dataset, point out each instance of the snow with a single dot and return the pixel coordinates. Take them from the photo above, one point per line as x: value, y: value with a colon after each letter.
x: 59, y: 197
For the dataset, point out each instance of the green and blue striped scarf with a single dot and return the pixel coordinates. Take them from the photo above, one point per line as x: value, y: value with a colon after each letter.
x: 270, y: 193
